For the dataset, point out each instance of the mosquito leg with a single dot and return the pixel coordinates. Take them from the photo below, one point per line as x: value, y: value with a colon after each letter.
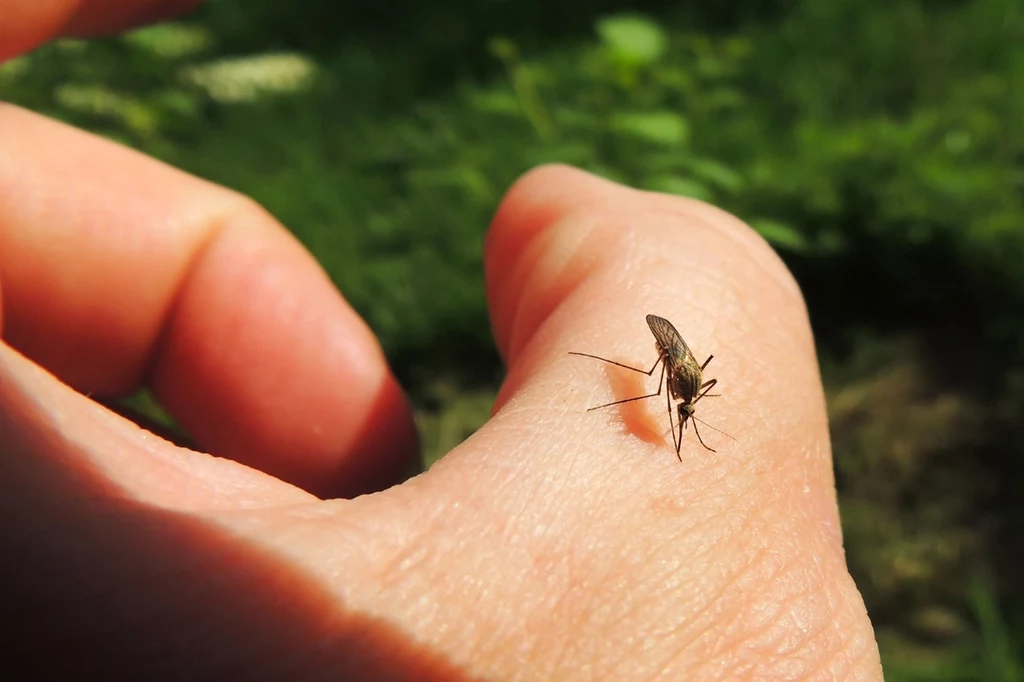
x: 650, y: 372
x: 639, y: 397
x: 701, y: 439
x: 706, y: 387
x: 706, y: 363
x: 676, y: 442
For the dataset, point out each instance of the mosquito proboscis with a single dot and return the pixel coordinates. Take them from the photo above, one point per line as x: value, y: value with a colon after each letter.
x: 681, y: 374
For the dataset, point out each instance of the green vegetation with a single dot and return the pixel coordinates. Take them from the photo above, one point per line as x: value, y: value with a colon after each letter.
x: 879, y: 147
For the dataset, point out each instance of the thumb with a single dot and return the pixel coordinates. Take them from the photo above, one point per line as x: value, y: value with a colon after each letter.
x: 738, y: 548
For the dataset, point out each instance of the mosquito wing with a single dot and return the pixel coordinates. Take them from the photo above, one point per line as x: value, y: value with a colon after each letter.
x: 670, y: 340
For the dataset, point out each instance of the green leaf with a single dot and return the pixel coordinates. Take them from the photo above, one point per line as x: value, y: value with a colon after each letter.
x: 177, y: 102
x: 716, y: 173
x: 632, y: 40
x: 724, y: 98
x: 101, y: 101
x: 661, y: 127
x: 503, y: 49
x: 781, y: 235
x: 496, y: 102
x: 572, y: 153
x: 13, y: 68
x: 684, y: 187
x: 170, y: 40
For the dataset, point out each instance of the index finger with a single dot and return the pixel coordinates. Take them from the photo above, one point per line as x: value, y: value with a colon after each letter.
x: 116, y: 270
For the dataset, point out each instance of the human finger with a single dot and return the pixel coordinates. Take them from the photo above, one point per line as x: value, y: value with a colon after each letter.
x: 118, y: 270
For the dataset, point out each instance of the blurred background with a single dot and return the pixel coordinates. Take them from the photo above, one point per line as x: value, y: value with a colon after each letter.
x: 878, y: 146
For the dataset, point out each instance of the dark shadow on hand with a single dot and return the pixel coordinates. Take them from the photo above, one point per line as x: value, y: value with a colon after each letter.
x: 161, y: 595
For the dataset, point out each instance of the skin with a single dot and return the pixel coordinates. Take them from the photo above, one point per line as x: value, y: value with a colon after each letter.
x: 553, y: 544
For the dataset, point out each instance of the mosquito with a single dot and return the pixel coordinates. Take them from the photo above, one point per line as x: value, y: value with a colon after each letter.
x: 679, y: 371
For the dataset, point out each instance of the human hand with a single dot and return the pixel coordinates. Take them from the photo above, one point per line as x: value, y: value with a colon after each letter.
x: 553, y: 544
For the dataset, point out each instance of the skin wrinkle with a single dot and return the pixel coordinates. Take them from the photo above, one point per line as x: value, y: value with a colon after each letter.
x: 407, y: 558
x: 426, y: 608
x: 729, y: 645
x: 864, y: 659
x: 521, y: 495
x: 83, y: 429
x: 824, y: 664
x: 585, y: 567
x: 494, y: 520
x: 344, y: 520
x: 781, y: 634
x: 734, y: 582
x: 589, y: 624
x: 701, y: 623
x: 565, y: 622
x: 214, y: 225
x: 690, y: 632
x: 634, y: 604
x: 785, y: 655
x: 566, y: 569
x: 763, y: 618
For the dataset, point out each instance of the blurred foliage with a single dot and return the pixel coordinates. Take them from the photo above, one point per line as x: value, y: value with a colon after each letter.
x: 878, y: 147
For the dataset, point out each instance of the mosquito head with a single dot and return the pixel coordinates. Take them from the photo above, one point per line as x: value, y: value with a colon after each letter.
x: 686, y: 411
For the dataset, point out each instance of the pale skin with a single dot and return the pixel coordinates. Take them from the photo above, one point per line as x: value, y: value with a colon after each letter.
x: 553, y: 544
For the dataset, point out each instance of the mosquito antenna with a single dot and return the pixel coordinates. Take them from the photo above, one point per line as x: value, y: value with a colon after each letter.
x: 694, y: 417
